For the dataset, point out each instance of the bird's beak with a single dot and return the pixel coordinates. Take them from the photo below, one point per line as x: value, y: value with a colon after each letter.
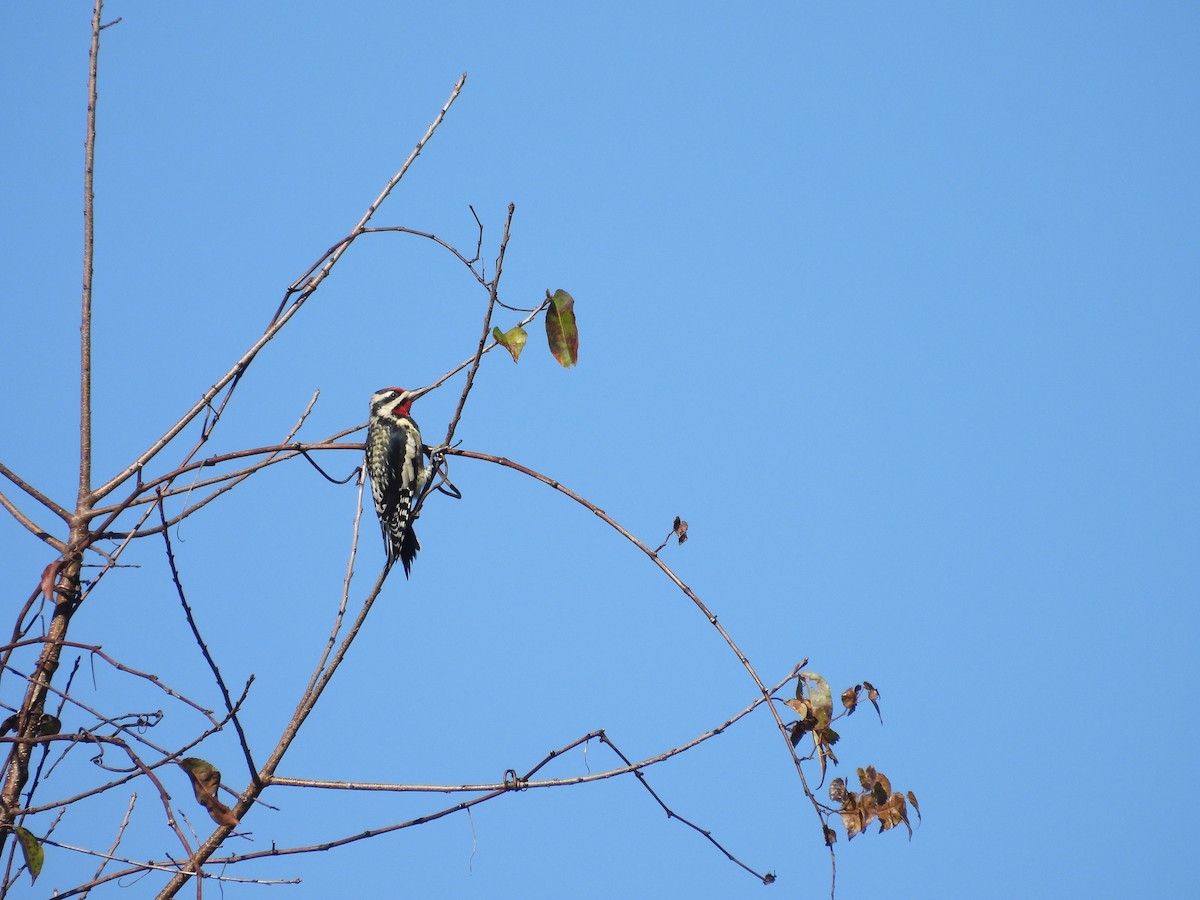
x: 420, y: 392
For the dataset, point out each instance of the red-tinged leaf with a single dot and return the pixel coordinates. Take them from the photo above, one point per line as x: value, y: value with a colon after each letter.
x: 49, y: 576
x: 206, y: 781
x: 512, y: 340
x: 32, y: 851
x: 561, y: 332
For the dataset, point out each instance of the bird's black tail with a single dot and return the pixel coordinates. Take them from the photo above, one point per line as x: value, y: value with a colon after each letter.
x: 409, y: 546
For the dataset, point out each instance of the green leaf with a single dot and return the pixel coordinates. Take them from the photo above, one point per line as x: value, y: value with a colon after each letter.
x: 512, y: 340
x: 34, y: 855
x: 561, y: 332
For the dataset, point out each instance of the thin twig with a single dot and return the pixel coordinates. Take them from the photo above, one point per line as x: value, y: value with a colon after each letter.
x: 524, y: 782
x: 400, y: 229
x: 671, y: 814
x: 96, y: 650
x: 212, y: 664
x: 108, y: 857
x: 141, y: 868
x: 493, y: 288
x: 344, y: 600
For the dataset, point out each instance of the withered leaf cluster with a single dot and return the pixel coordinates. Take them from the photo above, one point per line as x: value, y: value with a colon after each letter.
x: 876, y: 801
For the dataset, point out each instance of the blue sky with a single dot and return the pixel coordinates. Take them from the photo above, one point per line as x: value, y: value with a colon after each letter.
x: 896, y: 304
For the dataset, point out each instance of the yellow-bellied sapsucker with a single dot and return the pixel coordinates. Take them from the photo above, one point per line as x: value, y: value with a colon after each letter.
x: 396, y: 464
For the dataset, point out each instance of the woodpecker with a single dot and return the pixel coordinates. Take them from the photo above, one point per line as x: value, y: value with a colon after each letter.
x: 396, y: 463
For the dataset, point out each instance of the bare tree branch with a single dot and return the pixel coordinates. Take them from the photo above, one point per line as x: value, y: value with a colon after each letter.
x: 493, y: 288
x: 35, y: 493
x: 310, y: 286
x: 322, y: 675
x: 89, y: 234
x: 32, y: 527
x: 99, y: 652
x: 212, y: 665
x: 141, y: 767
x: 125, y: 779
x: 108, y: 857
x: 678, y: 582
x: 525, y: 782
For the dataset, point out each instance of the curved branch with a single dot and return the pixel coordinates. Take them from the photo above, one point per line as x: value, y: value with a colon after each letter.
x: 303, y: 288
x: 400, y: 229
x: 493, y: 288
x: 666, y: 570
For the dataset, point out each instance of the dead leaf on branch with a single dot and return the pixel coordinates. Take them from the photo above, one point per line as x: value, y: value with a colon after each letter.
x: 820, y: 698
x: 850, y: 698
x: 873, y: 696
x: 819, y: 702
x: 877, y: 802
x: 679, y: 529
x: 912, y: 798
x: 49, y: 576
x: 206, y: 781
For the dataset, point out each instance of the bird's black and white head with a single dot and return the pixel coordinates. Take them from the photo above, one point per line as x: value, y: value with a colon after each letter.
x: 394, y: 402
